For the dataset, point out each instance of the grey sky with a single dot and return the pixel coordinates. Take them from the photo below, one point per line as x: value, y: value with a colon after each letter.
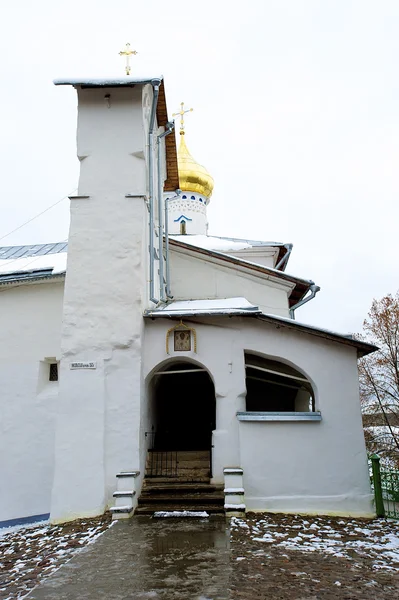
x: 296, y: 117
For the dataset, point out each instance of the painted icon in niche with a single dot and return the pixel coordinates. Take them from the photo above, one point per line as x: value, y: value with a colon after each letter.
x: 182, y: 341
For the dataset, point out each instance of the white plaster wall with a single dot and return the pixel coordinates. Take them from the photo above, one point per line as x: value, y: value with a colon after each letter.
x: 194, y: 210
x: 317, y: 467
x: 200, y: 279
x: 30, y: 331
x: 105, y: 294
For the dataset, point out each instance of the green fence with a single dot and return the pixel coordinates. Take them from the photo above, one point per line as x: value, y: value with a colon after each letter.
x: 385, y: 484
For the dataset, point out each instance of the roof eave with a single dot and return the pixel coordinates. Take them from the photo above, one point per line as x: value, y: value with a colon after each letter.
x: 302, y: 286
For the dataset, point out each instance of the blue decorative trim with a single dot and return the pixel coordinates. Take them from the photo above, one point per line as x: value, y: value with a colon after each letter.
x: 182, y: 217
x: 24, y: 520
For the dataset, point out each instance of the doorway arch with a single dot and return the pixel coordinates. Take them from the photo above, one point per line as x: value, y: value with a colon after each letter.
x: 182, y: 407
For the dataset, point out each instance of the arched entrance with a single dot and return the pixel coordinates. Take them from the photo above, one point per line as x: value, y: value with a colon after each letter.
x: 183, y: 408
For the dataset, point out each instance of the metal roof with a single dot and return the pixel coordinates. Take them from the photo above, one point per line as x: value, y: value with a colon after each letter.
x: 363, y: 348
x: 7, y: 252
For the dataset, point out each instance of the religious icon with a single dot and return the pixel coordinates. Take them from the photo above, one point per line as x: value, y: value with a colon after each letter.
x: 184, y: 337
x: 182, y: 341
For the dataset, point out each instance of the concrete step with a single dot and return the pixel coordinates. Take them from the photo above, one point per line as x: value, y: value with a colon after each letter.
x: 150, y: 510
x: 184, y: 454
x: 184, y: 498
x: 154, y: 487
x: 184, y: 479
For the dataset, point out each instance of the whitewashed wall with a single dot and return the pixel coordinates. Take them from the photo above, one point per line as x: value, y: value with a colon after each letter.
x: 106, y: 291
x: 201, y: 279
x: 317, y: 467
x: 30, y: 324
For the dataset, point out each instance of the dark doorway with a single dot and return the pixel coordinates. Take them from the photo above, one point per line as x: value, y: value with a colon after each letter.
x: 184, y: 408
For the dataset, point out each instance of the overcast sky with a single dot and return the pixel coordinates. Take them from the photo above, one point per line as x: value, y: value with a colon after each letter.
x: 295, y: 116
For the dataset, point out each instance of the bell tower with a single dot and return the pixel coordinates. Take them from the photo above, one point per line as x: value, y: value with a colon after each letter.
x: 106, y: 291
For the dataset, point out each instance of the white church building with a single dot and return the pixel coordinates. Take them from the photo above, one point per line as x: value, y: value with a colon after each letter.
x: 145, y: 350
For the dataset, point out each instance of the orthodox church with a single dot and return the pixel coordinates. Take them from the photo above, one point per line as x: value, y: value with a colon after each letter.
x: 145, y: 358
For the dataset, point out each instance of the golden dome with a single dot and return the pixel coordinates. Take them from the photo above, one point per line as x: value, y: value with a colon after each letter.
x: 192, y: 176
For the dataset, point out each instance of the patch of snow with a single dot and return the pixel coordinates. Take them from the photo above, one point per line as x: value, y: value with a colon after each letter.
x: 180, y: 513
x: 104, y: 81
x: 214, y: 306
x: 56, y: 262
x: 208, y: 242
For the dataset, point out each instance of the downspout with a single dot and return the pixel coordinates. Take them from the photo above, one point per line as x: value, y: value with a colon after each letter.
x: 156, y: 85
x: 313, y: 291
x: 169, y: 128
x: 286, y: 256
x: 168, y: 292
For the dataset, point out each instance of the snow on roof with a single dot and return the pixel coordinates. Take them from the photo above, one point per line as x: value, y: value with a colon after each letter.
x: 106, y: 81
x: 220, y: 306
x: 221, y: 244
x: 56, y: 262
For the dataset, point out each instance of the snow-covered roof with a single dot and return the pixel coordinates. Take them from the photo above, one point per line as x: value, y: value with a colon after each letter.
x: 106, y: 81
x: 220, y: 306
x: 32, y: 262
x: 222, y: 244
x: 241, y: 307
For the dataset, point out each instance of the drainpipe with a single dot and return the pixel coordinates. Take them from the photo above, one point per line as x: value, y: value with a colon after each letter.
x: 286, y: 256
x: 169, y: 128
x: 155, y: 85
x: 313, y: 291
x: 168, y: 292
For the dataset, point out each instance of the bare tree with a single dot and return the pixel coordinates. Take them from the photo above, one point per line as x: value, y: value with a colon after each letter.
x: 379, y: 379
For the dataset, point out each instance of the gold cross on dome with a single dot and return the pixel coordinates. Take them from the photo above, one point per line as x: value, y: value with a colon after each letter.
x: 182, y: 112
x: 128, y: 53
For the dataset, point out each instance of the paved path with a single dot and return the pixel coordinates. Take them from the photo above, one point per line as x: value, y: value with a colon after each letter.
x: 145, y: 558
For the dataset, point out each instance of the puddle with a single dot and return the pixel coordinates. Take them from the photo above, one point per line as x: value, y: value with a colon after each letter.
x: 169, y: 559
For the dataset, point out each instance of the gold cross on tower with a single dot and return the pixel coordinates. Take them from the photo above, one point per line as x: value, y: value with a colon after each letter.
x: 182, y: 112
x: 128, y: 53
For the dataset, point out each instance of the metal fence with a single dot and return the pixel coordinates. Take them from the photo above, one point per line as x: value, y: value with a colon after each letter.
x: 385, y: 484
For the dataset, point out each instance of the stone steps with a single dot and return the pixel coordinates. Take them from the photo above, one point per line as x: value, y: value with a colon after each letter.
x: 188, y: 490
x: 156, y: 487
x: 211, y: 509
x: 149, y: 498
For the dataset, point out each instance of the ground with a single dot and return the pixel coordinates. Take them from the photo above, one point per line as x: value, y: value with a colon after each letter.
x: 312, y: 558
x: 263, y: 556
x: 30, y: 554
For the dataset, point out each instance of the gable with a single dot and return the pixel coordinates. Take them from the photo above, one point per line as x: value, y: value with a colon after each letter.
x: 196, y: 277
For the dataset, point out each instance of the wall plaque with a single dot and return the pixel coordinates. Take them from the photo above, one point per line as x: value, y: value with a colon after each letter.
x: 83, y: 365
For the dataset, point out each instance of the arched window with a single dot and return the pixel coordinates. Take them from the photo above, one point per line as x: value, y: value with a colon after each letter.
x: 183, y: 230
x: 192, y: 197
x: 273, y: 386
x: 184, y: 197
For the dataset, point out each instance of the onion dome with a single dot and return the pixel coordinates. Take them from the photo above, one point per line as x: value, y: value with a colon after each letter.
x: 193, y: 177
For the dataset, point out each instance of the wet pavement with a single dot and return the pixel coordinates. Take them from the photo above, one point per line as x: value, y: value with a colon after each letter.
x: 148, y: 558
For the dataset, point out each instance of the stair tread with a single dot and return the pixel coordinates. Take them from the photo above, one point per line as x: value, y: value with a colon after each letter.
x: 180, y: 499
x: 180, y: 507
x: 177, y: 488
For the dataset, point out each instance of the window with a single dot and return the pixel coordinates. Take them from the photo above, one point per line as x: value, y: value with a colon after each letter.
x: 273, y: 386
x: 53, y: 372
x: 184, y: 197
x: 183, y: 230
x: 192, y: 197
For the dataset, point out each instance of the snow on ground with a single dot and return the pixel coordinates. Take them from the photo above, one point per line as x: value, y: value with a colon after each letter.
x: 28, y: 554
x: 377, y: 540
x: 181, y: 513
